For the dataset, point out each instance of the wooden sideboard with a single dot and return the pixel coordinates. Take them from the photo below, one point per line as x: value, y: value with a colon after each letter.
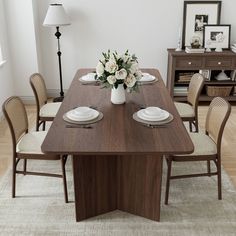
x: 181, y: 62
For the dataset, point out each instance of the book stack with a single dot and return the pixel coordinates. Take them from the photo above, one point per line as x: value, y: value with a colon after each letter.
x: 181, y: 91
x: 233, y: 47
x: 194, y: 50
x: 185, y: 77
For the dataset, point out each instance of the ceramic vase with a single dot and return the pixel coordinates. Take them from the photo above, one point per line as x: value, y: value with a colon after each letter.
x: 118, y: 95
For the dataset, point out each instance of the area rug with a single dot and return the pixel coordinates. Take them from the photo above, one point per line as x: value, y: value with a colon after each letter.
x: 193, y: 209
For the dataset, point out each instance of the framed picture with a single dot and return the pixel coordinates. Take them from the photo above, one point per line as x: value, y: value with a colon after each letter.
x: 196, y: 15
x: 206, y: 74
x: 217, y: 36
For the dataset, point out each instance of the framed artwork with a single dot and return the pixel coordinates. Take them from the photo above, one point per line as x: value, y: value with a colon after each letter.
x: 206, y: 74
x: 217, y: 36
x: 197, y: 14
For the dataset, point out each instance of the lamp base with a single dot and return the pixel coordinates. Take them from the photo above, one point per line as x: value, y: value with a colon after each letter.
x: 58, y: 99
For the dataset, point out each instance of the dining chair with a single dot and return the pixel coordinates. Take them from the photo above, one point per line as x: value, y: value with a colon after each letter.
x: 45, y: 111
x: 27, y: 145
x: 207, y: 146
x: 189, y: 111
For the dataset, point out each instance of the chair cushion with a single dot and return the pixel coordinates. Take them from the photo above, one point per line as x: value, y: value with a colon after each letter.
x: 31, y: 143
x: 49, y: 109
x: 203, y: 145
x: 184, y: 109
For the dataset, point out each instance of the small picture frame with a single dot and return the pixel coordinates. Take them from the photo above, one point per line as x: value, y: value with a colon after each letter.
x: 217, y: 36
x: 196, y: 15
x: 206, y: 74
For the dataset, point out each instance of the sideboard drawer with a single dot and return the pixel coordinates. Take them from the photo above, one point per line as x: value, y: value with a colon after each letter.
x: 188, y: 63
x: 218, y: 63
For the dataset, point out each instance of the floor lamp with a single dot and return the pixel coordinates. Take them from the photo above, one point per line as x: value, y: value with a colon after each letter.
x: 56, y: 17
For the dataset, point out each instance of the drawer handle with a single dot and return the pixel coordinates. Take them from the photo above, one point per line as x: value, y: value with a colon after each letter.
x: 219, y: 63
x: 190, y: 63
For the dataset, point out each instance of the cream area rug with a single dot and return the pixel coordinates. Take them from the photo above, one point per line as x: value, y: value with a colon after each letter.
x: 39, y: 208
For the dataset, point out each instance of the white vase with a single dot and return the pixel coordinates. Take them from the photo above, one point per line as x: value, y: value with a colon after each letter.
x: 118, y: 95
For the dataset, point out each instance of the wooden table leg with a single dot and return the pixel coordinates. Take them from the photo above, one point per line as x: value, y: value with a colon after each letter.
x: 139, y: 184
x: 128, y: 183
x: 95, y: 185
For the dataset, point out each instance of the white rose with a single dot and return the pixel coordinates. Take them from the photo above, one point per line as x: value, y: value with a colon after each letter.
x: 134, y: 67
x: 99, y: 69
x: 111, y: 66
x: 111, y: 79
x: 138, y: 74
x: 121, y: 74
x: 130, y: 81
x: 125, y: 58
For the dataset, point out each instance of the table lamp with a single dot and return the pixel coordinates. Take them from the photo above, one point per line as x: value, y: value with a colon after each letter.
x: 55, y: 17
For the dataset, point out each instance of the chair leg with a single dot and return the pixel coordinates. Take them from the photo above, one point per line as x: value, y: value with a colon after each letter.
x: 209, y: 167
x: 37, y: 126
x: 44, y: 125
x: 219, y: 180
x: 63, y: 160
x: 25, y: 166
x: 14, y: 178
x: 190, y: 126
x: 169, y: 164
x: 196, y: 126
x: 37, y: 123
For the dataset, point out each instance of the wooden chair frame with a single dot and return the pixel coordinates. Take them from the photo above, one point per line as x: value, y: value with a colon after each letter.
x: 22, y: 156
x: 215, y: 158
x: 194, y: 120
x: 39, y: 120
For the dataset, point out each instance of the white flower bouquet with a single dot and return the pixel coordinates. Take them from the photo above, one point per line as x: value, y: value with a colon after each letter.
x: 114, y: 70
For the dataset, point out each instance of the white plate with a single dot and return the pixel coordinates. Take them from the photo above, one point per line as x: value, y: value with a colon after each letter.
x: 82, y: 114
x: 152, y: 114
x: 147, y: 77
x: 90, y: 77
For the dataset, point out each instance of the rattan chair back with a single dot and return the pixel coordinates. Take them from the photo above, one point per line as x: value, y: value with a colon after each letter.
x: 217, y: 115
x: 16, y: 116
x: 194, y: 90
x: 39, y: 88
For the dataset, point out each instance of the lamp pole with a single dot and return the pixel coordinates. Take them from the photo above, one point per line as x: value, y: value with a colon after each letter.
x: 55, y: 17
x: 58, y: 35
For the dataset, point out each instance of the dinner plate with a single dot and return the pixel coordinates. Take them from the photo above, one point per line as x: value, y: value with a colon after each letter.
x: 147, y: 77
x: 82, y: 114
x: 90, y: 77
x: 153, y: 114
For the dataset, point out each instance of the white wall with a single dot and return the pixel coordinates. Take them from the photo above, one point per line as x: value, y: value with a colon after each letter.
x: 22, y: 43
x: 147, y: 28
x: 6, y: 83
x: 140, y: 26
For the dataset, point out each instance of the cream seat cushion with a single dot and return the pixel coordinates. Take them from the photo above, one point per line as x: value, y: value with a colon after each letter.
x: 49, y: 109
x: 203, y: 145
x: 184, y: 109
x: 31, y: 143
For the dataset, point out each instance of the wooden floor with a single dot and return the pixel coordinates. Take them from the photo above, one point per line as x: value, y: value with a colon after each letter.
x: 228, y: 144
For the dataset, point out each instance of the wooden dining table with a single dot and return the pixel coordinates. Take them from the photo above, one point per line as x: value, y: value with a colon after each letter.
x: 117, y: 164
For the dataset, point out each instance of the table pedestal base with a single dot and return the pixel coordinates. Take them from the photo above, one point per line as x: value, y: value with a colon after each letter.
x: 128, y: 183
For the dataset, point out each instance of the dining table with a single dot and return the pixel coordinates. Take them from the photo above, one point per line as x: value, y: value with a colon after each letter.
x: 117, y: 162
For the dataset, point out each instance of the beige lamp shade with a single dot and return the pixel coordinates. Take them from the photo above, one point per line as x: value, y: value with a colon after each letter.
x: 56, y: 16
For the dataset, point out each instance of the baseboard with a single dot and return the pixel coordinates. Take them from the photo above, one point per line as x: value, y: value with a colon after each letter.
x: 53, y: 93
x: 30, y: 100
